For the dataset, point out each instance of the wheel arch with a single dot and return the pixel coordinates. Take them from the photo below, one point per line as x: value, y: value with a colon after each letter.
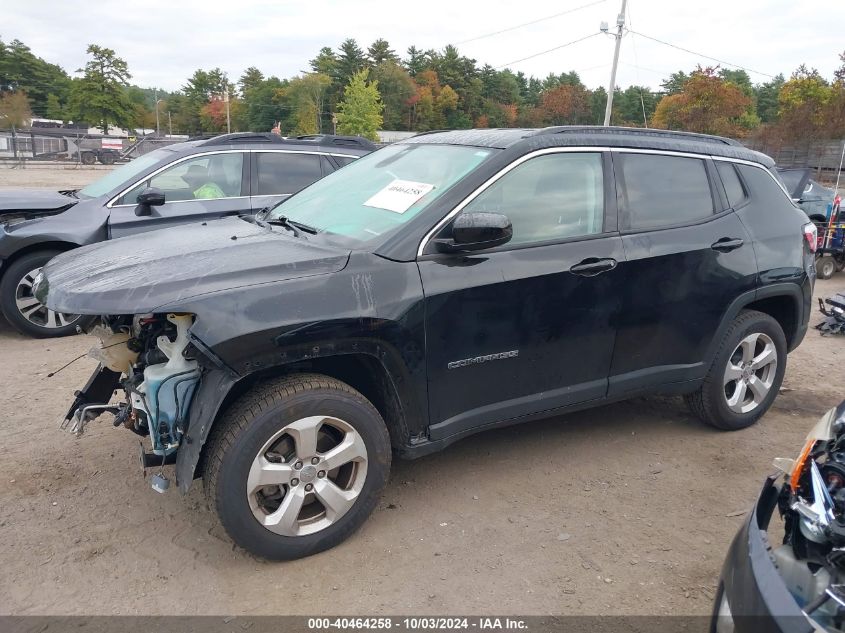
x: 783, y: 302
x: 362, y: 371
x: 53, y: 245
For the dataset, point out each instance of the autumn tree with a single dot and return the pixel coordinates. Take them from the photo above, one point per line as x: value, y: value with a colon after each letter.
x: 14, y: 109
x: 360, y: 111
x: 803, y: 104
x: 100, y: 96
x: 707, y: 104
x: 567, y: 104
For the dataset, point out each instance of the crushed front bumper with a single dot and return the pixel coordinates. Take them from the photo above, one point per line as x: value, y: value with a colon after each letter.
x: 756, y: 596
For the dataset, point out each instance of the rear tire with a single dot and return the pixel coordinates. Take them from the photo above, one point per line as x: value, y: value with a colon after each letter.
x: 284, y: 431
x: 88, y: 158
x: 740, y: 387
x: 107, y: 158
x: 25, y: 313
x: 825, y: 267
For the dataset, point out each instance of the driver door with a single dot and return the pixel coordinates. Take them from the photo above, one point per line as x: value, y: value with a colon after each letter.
x: 226, y: 173
x: 528, y: 326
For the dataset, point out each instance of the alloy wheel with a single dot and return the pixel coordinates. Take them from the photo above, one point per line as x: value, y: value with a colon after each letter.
x: 750, y: 372
x: 36, y: 312
x: 307, y: 476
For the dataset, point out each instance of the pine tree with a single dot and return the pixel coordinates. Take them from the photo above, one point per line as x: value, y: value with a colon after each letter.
x: 100, y: 96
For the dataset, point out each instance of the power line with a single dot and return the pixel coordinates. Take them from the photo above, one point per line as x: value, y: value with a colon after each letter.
x: 519, y: 26
x: 686, y: 50
x: 556, y: 48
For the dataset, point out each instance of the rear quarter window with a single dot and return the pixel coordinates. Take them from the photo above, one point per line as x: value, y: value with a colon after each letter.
x: 764, y: 188
x: 658, y: 191
x: 733, y: 185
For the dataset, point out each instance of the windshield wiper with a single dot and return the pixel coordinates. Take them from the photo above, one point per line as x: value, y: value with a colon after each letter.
x: 293, y: 226
x: 70, y: 193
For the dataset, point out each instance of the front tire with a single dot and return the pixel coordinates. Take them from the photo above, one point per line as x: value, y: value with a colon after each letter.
x: 296, y: 465
x: 23, y: 311
x: 745, y: 375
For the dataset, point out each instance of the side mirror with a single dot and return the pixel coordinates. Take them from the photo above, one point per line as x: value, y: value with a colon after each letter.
x: 476, y: 231
x: 149, y: 197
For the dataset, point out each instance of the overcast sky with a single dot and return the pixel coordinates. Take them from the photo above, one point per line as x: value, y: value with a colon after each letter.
x: 165, y: 41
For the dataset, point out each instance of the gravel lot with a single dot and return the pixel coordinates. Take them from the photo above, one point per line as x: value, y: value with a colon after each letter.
x: 625, y: 509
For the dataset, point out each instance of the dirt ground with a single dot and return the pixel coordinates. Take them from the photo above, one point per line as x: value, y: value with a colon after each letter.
x: 69, y: 177
x: 625, y: 509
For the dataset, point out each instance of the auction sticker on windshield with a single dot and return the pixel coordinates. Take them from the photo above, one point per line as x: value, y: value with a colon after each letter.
x: 399, y: 195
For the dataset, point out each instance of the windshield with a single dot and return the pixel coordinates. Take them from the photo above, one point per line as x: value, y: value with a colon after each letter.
x: 382, y: 191
x: 123, y: 174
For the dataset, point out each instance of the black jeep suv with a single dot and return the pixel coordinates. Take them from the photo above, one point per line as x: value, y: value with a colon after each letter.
x: 177, y: 184
x: 447, y: 284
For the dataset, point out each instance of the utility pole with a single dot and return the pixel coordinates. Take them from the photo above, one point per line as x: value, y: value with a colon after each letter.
x: 228, y: 120
x: 155, y: 96
x: 620, y: 26
x: 169, y: 124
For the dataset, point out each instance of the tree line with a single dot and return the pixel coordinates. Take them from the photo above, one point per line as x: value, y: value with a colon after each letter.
x: 352, y: 90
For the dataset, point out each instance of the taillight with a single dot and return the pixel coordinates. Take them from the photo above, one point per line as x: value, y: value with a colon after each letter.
x: 811, y: 235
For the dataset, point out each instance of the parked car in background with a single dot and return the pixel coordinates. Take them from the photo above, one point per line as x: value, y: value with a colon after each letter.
x: 446, y: 284
x: 813, y: 197
x: 178, y: 184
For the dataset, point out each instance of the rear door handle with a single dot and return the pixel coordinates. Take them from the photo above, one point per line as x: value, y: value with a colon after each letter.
x: 727, y: 244
x: 593, y: 266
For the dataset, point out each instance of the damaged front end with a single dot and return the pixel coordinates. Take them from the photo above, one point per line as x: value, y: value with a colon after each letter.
x: 147, y: 357
x: 811, y: 560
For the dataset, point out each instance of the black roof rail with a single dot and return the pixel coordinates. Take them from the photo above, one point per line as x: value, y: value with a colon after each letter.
x: 336, y: 139
x: 357, y: 142
x: 430, y: 132
x: 243, y: 137
x: 637, y: 131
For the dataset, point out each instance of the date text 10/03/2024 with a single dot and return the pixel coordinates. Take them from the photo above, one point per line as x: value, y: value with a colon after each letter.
x: 417, y: 623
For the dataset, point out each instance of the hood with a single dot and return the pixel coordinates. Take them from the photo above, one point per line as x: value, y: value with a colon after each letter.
x: 23, y: 200
x: 795, y: 180
x: 139, y: 273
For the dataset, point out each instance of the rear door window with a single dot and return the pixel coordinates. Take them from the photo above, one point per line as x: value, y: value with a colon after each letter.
x: 657, y: 191
x: 285, y: 173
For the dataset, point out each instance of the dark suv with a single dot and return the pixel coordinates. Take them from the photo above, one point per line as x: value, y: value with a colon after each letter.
x: 186, y: 182
x: 444, y: 285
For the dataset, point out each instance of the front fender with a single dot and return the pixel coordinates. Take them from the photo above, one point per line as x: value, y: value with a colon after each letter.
x: 220, y: 385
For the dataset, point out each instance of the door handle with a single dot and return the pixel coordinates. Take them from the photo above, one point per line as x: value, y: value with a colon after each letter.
x: 593, y: 266
x: 727, y: 244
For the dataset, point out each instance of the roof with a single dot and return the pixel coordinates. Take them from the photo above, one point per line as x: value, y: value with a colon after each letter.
x: 355, y: 144
x: 637, y: 138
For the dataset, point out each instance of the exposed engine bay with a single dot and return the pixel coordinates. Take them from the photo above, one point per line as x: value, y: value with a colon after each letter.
x: 145, y: 356
x: 811, y: 560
